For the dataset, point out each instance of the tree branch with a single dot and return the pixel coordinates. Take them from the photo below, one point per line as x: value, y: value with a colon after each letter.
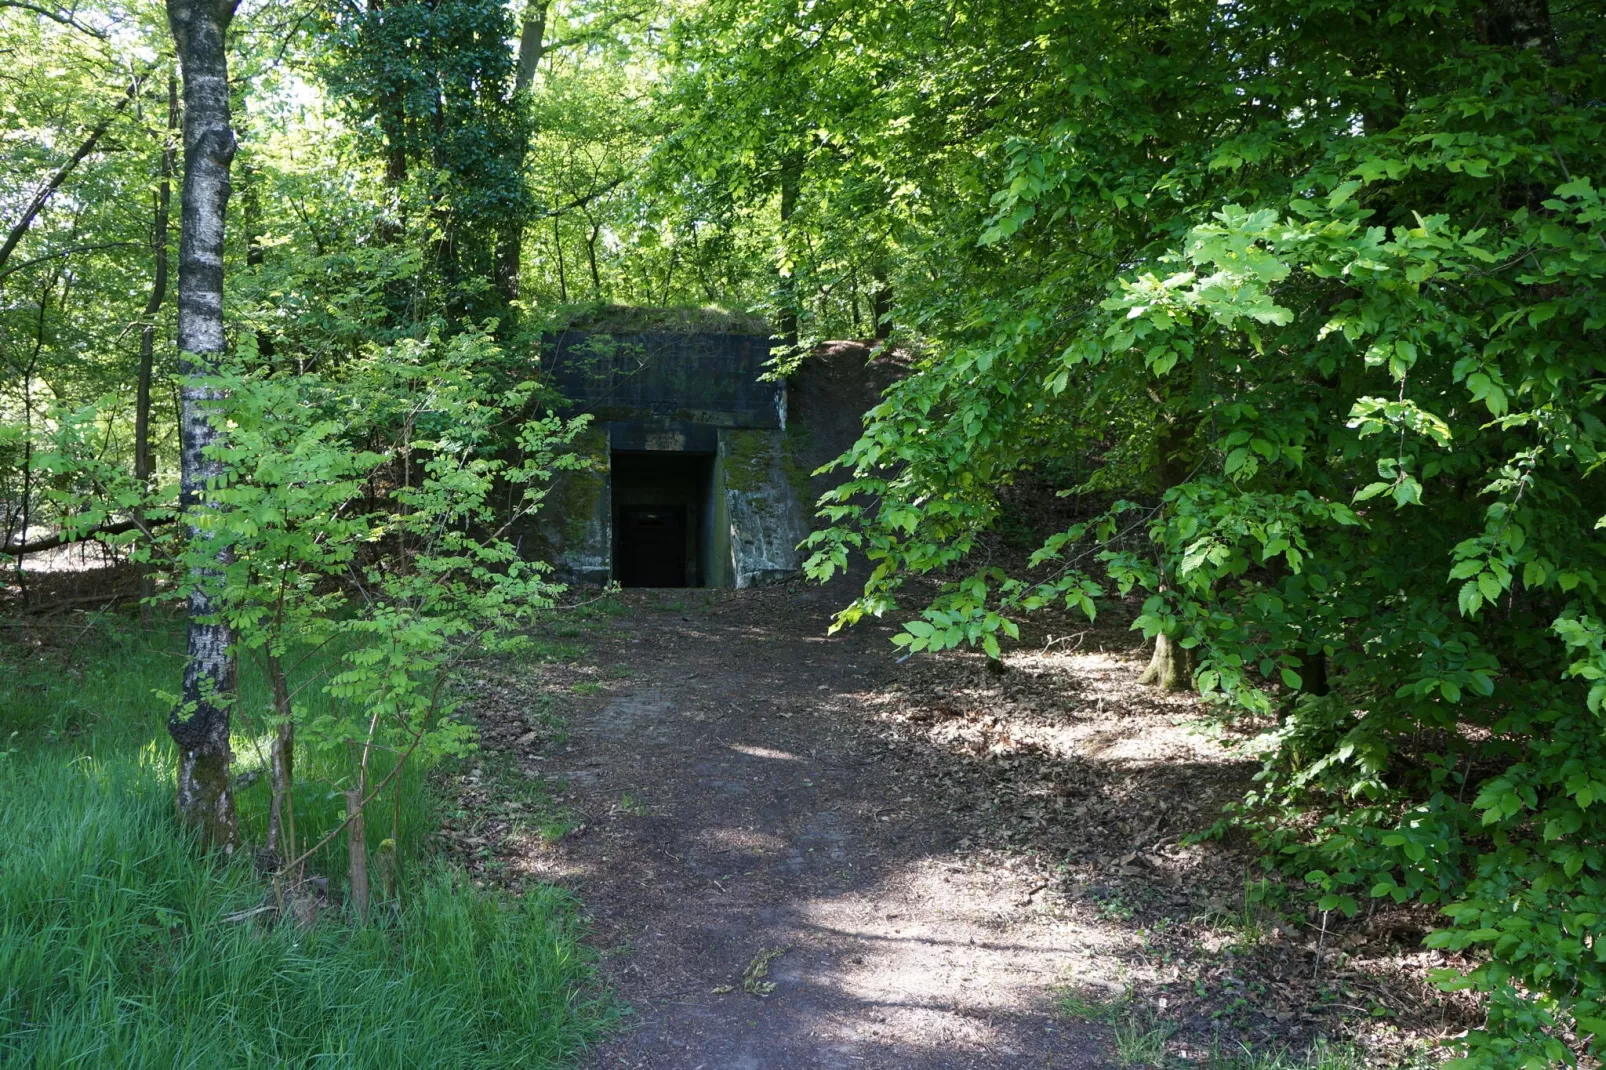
x: 50, y: 542
x: 69, y: 250
x: 20, y: 228
x: 585, y: 199
x: 57, y: 17
x: 598, y: 31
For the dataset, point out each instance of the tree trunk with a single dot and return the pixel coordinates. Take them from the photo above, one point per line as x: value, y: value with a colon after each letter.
x: 160, y: 216
x: 591, y: 255
x: 853, y: 304
x: 532, y: 45
x: 200, y: 725
x: 510, y: 241
x: 281, y: 768
x: 25, y: 510
x: 791, y: 186
x: 356, y: 851
x: 563, y: 279
x: 881, y: 306
x: 1171, y: 667
x: 392, y: 124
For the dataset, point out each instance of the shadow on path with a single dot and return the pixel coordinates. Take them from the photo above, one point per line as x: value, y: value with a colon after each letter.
x: 739, y: 801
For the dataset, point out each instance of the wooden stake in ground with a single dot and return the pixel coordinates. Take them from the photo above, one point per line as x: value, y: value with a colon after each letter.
x: 200, y: 724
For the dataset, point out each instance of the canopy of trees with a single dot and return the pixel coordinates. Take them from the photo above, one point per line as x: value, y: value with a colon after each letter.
x: 1304, y: 296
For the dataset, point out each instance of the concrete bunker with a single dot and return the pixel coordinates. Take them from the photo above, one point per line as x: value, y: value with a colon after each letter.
x: 695, y: 475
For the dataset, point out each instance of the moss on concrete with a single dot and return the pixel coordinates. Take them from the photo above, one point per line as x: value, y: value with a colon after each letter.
x: 575, y: 495
x: 678, y: 319
x: 765, y: 520
x: 748, y: 456
x: 798, y: 473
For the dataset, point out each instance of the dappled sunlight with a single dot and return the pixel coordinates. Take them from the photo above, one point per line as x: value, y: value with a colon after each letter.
x: 724, y: 839
x: 532, y: 858
x: 936, y: 958
x: 797, y: 845
x: 763, y: 752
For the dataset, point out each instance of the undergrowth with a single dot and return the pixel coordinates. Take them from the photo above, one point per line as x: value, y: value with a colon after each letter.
x: 123, y: 944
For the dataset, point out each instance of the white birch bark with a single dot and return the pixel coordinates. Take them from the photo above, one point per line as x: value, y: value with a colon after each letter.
x: 200, y: 725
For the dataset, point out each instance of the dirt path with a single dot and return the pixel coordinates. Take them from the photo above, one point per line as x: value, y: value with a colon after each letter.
x: 736, y: 805
x: 797, y: 854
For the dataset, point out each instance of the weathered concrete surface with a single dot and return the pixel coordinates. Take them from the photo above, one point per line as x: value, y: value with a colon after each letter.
x: 575, y: 524
x: 766, y: 518
x: 712, y: 379
x: 697, y: 394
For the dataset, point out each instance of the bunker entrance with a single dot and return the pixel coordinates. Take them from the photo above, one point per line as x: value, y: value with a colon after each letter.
x: 662, y: 519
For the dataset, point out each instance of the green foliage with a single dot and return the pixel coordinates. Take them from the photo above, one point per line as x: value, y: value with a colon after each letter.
x: 115, y: 937
x: 1319, y: 287
x: 358, y: 517
x: 430, y: 88
x: 1305, y: 294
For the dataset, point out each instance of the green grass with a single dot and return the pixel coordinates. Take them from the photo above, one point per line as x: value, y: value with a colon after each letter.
x: 1322, y: 1056
x: 1141, y: 1040
x: 114, y: 944
x: 557, y: 650
x: 1084, y: 1008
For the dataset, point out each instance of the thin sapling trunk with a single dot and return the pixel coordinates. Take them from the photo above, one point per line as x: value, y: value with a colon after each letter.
x: 281, y: 767
x: 356, y: 850
x: 144, y: 464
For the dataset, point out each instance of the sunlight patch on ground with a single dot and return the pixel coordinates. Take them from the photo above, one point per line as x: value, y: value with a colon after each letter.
x: 763, y: 752
x: 940, y: 962
x: 742, y: 839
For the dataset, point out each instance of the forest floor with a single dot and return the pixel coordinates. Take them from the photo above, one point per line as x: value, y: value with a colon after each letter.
x: 796, y: 852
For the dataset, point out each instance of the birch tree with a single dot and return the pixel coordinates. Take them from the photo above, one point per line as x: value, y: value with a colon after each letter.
x: 200, y: 723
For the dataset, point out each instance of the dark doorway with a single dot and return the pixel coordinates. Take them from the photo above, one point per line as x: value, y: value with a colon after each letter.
x: 651, y: 546
x: 660, y: 502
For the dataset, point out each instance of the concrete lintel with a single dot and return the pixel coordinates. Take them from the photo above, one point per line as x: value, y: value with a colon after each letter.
x: 677, y: 436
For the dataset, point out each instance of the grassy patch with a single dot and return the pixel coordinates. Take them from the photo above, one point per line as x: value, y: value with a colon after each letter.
x: 634, y: 805
x: 603, y: 608
x: 544, y: 649
x: 116, y: 944
x: 1320, y: 1057
x: 1250, y: 920
x: 527, y: 801
x: 544, y: 718
x: 1074, y: 1004
x: 1141, y: 1040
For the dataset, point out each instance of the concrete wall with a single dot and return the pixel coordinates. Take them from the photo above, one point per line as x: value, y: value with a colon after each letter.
x: 574, y: 526
x: 713, y: 380
x: 700, y: 394
x: 766, y: 519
